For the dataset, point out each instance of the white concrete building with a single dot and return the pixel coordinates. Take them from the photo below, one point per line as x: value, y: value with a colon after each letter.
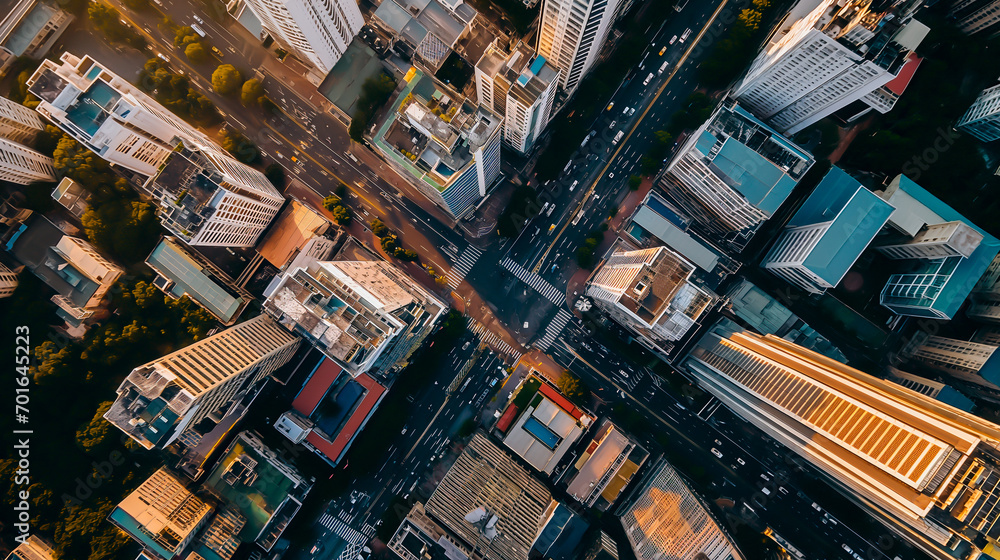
x: 159, y: 400
x: 8, y: 281
x: 982, y: 120
x: 976, y: 16
x: 206, y: 196
x: 18, y: 123
x: 571, y: 34
x: 924, y: 469
x: 33, y: 548
x: 520, y: 86
x: 22, y: 165
x: 316, y: 31
x: 829, y: 55
x: 365, y: 315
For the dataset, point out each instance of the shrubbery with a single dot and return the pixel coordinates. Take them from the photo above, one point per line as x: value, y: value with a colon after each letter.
x: 374, y: 93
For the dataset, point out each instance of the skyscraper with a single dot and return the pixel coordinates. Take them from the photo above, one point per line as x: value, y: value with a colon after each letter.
x: 665, y: 519
x: 926, y: 470
x: 206, y: 196
x: 317, y: 31
x: 366, y: 315
x: 976, y: 16
x: 829, y: 55
x: 22, y: 165
x: 33, y: 548
x: 8, y: 281
x: 159, y: 400
x: 520, y: 86
x: 18, y: 123
x: 982, y: 119
x: 571, y: 34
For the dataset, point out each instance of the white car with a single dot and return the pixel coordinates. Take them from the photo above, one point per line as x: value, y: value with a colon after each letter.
x: 199, y: 20
x: 717, y: 453
x: 741, y: 461
x: 673, y: 39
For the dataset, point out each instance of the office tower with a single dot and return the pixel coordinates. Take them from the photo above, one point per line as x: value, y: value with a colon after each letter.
x: 316, y: 31
x: 942, y: 255
x: 29, y: 28
x: 984, y: 304
x: 666, y: 519
x: 159, y: 400
x: 982, y: 119
x: 33, y: 548
x: 926, y: 470
x: 8, y: 281
x: 206, y: 196
x: 605, y: 468
x: 976, y: 16
x: 520, y: 86
x: 829, y: 56
x: 18, y: 123
x: 368, y: 316
x: 828, y: 233
x: 651, y: 292
x: 571, y: 34
x: 486, y: 506
x: 972, y: 363
x: 933, y: 389
x: 445, y: 145
x: 427, y: 31
x: 733, y: 173
x: 22, y: 165
x: 542, y: 432
x: 162, y: 515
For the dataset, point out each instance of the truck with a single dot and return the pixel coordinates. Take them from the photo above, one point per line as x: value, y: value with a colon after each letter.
x: 618, y: 137
x: 686, y: 34
x: 663, y: 68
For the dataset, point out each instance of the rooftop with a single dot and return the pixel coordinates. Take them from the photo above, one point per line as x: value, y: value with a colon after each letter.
x: 22, y: 32
x: 605, y: 467
x: 181, y: 274
x: 547, y: 428
x: 290, y: 232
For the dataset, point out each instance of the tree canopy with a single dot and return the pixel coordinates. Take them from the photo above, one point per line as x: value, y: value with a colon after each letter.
x: 226, y: 79
x: 241, y: 148
x: 252, y: 92
x: 375, y: 92
x: 109, y: 21
x: 174, y: 92
x: 571, y: 386
x: 195, y: 52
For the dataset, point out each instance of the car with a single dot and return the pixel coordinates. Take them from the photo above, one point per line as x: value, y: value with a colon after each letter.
x: 663, y: 50
x: 719, y: 443
x: 403, y: 433
x: 466, y: 345
x: 613, y: 123
x: 625, y: 111
x: 294, y: 160
x: 163, y: 57
x: 648, y: 79
x: 741, y: 461
x: 611, y: 106
x: 631, y: 111
x: 846, y: 548
x: 816, y: 507
x: 611, y: 175
x: 766, y: 491
x: 573, y: 186
x: 199, y: 20
x: 622, y: 373
x: 217, y: 51
x: 494, y: 382
x: 765, y: 477
x: 717, y: 453
x: 673, y: 39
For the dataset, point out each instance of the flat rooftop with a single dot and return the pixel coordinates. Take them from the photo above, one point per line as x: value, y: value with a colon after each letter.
x: 171, y: 261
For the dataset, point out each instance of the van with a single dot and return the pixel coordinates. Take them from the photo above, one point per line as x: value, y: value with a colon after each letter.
x: 686, y: 34
x: 766, y: 491
x: 198, y: 30
x: 618, y: 137
x: 648, y: 79
x: 663, y: 67
x: 573, y: 186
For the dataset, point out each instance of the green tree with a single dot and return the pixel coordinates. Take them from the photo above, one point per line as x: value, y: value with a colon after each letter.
x: 108, y: 20
x: 634, y: 182
x: 195, y: 52
x: 126, y: 228
x: 185, y: 36
x: 252, y: 92
x: 91, y: 436
x: 226, y: 79
x: 378, y: 228
x: 47, y: 140
x: 80, y: 164
x: 375, y: 92
x: 234, y: 142
x: 341, y: 215
x: 137, y: 5
x: 571, y: 386
x: 585, y: 257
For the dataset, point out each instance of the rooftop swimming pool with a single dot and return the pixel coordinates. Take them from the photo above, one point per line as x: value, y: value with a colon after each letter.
x: 91, y: 108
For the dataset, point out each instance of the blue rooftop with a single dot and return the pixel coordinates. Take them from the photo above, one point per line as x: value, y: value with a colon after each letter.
x: 189, y: 278
x: 128, y: 524
x: 954, y: 290
x: 663, y: 228
x: 762, y: 183
x: 857, y: 215
x: 951, y: 397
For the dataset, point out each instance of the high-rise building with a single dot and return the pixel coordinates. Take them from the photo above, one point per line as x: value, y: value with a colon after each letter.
x: 984, y: 304
x: 982, y: 119
x: 29, y: 28
x: 8, y: 281
x: 368, y: 316
x: 932, y: 388
x: 159, y: 400
x: 487, y: 506
x: 666, y: 519
x: 520, y: 86
x: 446, y: 146
x: 18, y: 123
x: 33, y: 548
x: 651, y: 292
x: 316, y: 31
x: 22, y: 165
x: 427, y: 31
x: 206, y: 196
x: 733, y: 173
x: 828, y: 233
x: 942, y: 255
x: 976, y: 16
x: 162, y: 515
x: 604, y: 468
x: 571, y: 34
x: 828, y: 55
x: 924, y: 469
x: 974, y: 364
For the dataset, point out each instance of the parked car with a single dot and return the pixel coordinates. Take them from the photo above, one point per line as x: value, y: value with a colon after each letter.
x: 717, y: 453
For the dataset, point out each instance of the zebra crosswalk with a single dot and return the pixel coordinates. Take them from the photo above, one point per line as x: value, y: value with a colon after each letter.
x: 493, y: 341
x: 554, y: 329
x: 466, y: 260
x: 535, y: 281
x: 346, y: 532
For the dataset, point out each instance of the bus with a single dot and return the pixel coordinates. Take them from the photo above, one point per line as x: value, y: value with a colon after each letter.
x: 198, y: 30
